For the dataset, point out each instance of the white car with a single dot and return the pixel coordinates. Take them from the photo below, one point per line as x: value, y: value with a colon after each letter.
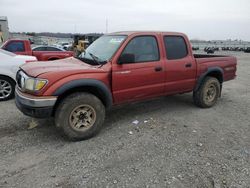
x: 64, y: 45
x: 9, y: 65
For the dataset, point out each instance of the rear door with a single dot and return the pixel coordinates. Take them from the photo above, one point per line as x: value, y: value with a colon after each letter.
x: 142, y: 78
x: 180, y: 65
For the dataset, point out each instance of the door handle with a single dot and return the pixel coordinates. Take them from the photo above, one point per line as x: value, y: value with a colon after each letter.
x: 188, y: 65
x: 157, y: 69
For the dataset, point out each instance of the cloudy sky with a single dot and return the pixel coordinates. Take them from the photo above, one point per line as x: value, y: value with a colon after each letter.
x: 199, y: 19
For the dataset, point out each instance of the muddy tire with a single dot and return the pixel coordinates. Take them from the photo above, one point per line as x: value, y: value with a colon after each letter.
x: 7, y: 88
x: 207, y: 94
x: 80, y: 116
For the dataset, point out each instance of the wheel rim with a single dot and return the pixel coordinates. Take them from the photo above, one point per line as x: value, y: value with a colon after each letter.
x: 210, y: 93
x: 82, y: 117
x: 5, y: 89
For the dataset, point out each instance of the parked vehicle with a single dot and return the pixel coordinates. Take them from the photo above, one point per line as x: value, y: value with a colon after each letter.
x: 23, y: 47
x: 239, y: 49
x: 211, y: 50
x: 247, y: 50
x: 64, y: 45
x: 9, y: 65
x: 48, y: 48
x: 195, y: 48
x: 119, y: 68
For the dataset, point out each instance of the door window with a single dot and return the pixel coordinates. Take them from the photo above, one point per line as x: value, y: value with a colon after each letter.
x: 143, y: 48
x: 176, y: 47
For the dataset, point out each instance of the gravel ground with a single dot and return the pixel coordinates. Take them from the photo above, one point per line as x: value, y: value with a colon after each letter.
x: 175, y: 144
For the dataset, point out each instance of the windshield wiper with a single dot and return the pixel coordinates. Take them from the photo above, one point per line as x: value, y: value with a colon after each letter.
x: 95, y: 58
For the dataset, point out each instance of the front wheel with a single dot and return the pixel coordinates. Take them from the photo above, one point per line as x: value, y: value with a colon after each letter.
x: 7, y: 88
x: 207, y: 94
x: 80, y: 116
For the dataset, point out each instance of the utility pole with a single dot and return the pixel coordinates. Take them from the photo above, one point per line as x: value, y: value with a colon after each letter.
x: 75, y: 28
x: 106, y: 25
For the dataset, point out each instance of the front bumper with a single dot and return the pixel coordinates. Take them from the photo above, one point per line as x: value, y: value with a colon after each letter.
x: 34, y: 106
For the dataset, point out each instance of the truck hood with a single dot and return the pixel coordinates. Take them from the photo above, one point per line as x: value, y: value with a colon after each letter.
x: 67, y: 65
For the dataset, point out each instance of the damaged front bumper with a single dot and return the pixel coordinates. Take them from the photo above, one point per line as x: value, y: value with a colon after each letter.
x: 35, y: 106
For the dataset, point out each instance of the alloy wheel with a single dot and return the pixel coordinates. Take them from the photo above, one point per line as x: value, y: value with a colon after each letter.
x: 5, y: 89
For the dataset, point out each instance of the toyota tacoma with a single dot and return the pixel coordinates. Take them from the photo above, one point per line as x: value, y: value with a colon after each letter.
x: 119, y: 68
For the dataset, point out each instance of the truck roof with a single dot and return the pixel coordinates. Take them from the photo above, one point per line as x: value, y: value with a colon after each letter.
x: 145, y: 33
x: 17, y: 39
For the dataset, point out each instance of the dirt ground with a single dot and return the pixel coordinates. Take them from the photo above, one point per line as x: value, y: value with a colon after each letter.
x: 175, y: 145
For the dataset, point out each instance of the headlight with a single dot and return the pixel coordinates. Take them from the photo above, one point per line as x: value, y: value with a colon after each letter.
x: 34, y: 84
x: 28, y: 83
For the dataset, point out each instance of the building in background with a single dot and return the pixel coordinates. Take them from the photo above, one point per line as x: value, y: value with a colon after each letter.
x: 4, y: 29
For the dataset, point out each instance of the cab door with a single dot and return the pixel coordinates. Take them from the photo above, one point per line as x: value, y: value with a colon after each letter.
x: 180, y: 65
x: 141, y: 75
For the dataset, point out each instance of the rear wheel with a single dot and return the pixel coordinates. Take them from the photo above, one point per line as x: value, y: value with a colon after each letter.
x: 80, y: 116
x: 7, y: 88
x: 206, y: 96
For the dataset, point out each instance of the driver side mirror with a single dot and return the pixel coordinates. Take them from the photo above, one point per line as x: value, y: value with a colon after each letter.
x: 126, y: 58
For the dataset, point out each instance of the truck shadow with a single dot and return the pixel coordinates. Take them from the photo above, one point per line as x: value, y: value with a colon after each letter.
x: 46, y: 130
x: 150, y: 107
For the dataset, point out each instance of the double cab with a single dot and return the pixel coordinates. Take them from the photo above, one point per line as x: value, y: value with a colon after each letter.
x: 118, y: 68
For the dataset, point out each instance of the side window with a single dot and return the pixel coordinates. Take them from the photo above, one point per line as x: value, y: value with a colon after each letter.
x: 52, y: 49
x: 39, y: 49
x: 15, y: 46
x: 144, y: 49
x: 176, y: 47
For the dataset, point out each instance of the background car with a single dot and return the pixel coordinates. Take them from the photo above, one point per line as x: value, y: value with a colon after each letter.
x: 9, y: 65
x: 47, y: 48
x: 64, y: 45
x: 23, y: 47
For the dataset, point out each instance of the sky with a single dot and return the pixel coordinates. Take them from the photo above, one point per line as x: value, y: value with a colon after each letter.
x: 199, y: 19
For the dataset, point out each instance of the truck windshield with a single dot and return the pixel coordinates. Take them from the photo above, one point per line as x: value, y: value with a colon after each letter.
x: 103, y: 48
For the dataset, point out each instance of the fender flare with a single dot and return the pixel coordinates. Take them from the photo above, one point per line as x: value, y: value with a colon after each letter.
x: 100, y: 86
x: 210, y: 70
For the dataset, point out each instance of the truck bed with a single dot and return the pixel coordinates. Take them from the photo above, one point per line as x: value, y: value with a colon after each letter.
x: 204, y: 58
x: 226, y: 63
x: 207, y: 56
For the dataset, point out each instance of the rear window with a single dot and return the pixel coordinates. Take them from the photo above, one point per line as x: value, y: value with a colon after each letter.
x: 176, y: 47
x: 15, y: 46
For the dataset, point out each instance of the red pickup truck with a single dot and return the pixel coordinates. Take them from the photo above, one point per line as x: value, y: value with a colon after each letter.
x: 23, y: 47
x: 119, y: 68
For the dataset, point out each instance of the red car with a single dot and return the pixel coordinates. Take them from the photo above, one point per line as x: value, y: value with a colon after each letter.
x: 119, y: 68
x: 42, y: 53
